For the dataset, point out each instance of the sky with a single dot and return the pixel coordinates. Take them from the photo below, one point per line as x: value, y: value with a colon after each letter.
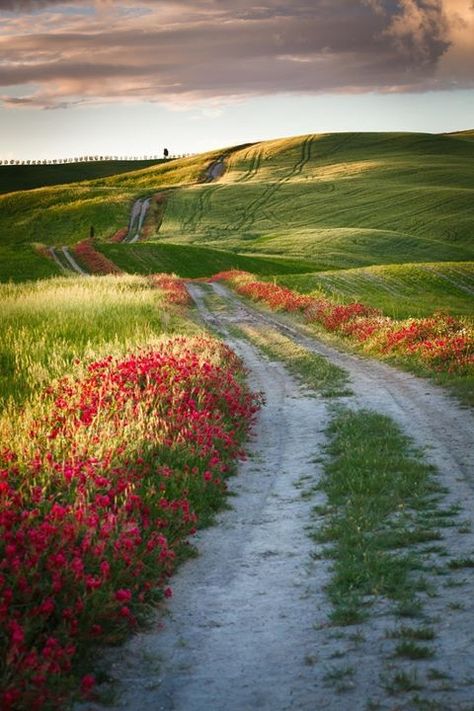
x: 116, y: 77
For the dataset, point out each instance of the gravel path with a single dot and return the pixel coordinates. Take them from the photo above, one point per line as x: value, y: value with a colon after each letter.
x: 247, y: 627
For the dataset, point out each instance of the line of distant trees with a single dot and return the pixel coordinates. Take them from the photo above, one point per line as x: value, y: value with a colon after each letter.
x: 88, y: 159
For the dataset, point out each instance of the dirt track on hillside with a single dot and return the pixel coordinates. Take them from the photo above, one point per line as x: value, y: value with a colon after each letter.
x: 247, y: 627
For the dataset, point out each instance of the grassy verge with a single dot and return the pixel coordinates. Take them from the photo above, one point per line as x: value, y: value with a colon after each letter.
x: 378, y: 490
x: 460, y: 385
x: 107, y: 472
x: 439, y: 347
x: 398, y: 290
x: 313, y: 370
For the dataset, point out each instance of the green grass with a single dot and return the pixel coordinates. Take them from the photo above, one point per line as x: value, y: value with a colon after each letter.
x: 375, y: 484
x: 313, y: 370
x: 336, y: 201
x: 400, y: 290
x: 411, y: 650
x: 28, y: 177
x: 190, y: 261
x: 402, y: 682
x: 413, y: 633
x: 344, y: 200
x: 63, y: 214
x: 21, y: 263
x: 46, y: 325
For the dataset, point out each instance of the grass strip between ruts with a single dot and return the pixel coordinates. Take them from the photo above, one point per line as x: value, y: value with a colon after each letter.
x: 379, y: 492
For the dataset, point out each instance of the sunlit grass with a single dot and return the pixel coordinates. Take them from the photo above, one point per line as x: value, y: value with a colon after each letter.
x: 313, y: 370
x: 336, y: 200
x: 376, y: 485
x: 45, y: 326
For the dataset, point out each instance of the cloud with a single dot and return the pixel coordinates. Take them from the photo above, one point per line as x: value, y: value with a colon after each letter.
x: 184, y: 51
x: 420, y: 29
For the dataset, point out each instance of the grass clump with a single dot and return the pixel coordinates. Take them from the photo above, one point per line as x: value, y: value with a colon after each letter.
x: 411, y: 650
x: 460, y: 563
x: 412, y: 633
x: 402, y: 682
x: 313, y: 370
x: 376, y: 485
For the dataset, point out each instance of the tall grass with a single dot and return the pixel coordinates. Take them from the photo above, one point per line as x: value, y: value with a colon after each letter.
x: 107, y: 471
x: 46, y: 326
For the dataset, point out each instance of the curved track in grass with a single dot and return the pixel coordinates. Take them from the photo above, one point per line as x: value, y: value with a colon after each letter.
x: 248, y: 625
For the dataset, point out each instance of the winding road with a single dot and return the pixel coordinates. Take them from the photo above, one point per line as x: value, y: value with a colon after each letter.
x: 247, y: 627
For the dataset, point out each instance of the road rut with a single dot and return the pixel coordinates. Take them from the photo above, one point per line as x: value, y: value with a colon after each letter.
x: 248, y: 627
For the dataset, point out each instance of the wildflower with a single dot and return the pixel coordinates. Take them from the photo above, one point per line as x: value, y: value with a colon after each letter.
x: 87, y: 684
x: 123, y: 595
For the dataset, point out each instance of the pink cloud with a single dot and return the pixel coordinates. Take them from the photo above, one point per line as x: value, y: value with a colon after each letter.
x: 184, y: 51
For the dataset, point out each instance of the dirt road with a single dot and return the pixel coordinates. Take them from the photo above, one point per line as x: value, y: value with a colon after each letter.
x: 137, y: 218
x: 65, y: 261
x: 215, y: 170
x: 248, y: 627
x: 72, y: 262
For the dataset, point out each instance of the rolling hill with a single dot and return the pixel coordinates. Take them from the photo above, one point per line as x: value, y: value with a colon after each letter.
x: 371, y: 206
x: 28, y: 177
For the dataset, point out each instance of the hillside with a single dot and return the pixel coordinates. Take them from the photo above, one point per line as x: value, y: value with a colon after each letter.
x: 347, y: 200
x: 192, y: 261
x: 28, y: 177
x: 399, y: 290
x: 307, y: 204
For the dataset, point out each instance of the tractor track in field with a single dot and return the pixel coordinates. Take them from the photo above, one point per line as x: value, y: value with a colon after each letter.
x: 253, y: 168
x: 462, y: 286
x: 247, y: 627
x: 254, y: 206
x: 269, y: 197
x: 202, y: 203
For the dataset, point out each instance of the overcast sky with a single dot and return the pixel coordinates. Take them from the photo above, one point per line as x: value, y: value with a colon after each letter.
x: 115, y: 76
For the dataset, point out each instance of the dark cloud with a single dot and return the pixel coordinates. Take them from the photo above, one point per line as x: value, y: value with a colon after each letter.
x: 183, y: 50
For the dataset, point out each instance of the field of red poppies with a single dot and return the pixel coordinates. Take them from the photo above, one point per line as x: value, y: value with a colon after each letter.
x: 113, y: 469
x: 440, y: 342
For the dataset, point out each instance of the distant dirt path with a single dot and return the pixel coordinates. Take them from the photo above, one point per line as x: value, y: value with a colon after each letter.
x: 137, y: 218
x: 215, y: 170
x: 72, y: 262
x: 65, y: 269
x: 247, y: 628
x: 65, y: 261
